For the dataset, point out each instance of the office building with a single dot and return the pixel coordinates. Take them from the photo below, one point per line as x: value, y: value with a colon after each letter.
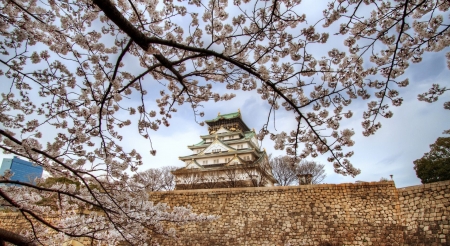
x: 23, y: 171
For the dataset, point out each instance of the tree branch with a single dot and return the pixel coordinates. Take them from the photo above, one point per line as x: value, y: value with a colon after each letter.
x: 14, y: 238
x: 144, y: 42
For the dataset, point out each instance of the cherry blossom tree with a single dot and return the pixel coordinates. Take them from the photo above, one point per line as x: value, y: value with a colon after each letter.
x: 211, y: 180
x: 76, y: 75
x: 156, y: 179
x: 286, y: 171
x: 316, y: 170
x: 234, y: 177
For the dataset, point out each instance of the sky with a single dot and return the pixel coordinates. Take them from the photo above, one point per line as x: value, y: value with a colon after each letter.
x: 391, y: 151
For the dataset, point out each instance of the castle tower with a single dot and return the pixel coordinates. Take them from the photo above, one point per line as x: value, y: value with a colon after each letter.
x: 229, y: 156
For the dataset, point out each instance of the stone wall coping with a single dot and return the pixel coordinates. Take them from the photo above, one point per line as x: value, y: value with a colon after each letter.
x: 276, y: 188
x: 424, y: 186
x: 9, y: 214
x: 12, y: 214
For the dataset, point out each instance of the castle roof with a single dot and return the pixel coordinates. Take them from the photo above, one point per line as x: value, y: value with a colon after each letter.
x: 200, y: 143
x: 225, y: 117
x: 223, y: 153
x: 235, y: 117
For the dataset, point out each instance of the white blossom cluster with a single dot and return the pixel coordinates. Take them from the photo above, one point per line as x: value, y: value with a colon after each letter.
x: 395, y: 34
x: 81, y: 73
x: 130, y: 217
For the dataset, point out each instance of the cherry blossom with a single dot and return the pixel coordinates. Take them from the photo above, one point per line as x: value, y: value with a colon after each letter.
x: 78, y: 76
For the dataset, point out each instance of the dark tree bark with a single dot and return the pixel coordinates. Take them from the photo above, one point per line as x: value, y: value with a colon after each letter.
x: 14, y: 238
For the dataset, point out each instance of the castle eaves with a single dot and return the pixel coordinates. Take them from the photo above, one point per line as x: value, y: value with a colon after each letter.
x: 225, y: 117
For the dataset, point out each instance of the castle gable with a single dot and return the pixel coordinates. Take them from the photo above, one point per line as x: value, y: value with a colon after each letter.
x: 236, y: 160
x: 222, y: 130
x: 216, y: 147
x: 193, y: 165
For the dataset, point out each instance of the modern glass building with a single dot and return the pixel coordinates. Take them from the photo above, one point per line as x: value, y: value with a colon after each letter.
x: 23, y: 171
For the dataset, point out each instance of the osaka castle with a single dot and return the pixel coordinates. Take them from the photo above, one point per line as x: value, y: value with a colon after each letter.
x: 228, y: 156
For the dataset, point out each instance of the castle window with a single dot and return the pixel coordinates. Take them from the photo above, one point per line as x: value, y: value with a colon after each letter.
x: 216, y: 161
x: 205, y: 162
x: 216, y: 150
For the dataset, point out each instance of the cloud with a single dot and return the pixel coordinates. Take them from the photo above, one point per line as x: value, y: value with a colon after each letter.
x: 392, y: 150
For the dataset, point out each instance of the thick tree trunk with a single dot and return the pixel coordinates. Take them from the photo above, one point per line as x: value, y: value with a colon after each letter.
x: 14, y: 238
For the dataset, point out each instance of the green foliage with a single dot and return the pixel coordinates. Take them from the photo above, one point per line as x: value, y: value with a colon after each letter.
x: 49, y: 182
x: 435, y: 165
x: 51, y: 201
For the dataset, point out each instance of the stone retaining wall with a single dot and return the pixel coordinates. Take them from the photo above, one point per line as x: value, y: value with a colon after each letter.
x: 344, y: 214
x: 426, y: 213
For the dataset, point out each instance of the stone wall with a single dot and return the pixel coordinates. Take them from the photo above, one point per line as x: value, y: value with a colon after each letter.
x: 344, y: 214
x: 14, y: 222
x: 426, y: 213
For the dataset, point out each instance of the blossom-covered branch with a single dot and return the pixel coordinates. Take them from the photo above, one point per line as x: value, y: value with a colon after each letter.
x: 78, y: 76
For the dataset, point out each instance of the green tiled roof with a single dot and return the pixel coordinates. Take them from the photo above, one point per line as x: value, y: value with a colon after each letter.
x: 225, y: 116
x: 239, y: 151
x: 221, y: 134
x: 249, y: 134
x: 201, y: 143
